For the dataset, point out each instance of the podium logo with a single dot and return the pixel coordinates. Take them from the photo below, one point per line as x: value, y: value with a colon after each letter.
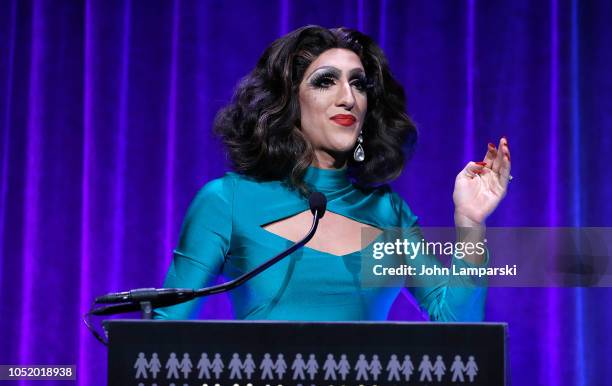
x: 242, y: 369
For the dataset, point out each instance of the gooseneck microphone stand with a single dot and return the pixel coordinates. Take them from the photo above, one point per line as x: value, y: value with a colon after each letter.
x: 146, y: 299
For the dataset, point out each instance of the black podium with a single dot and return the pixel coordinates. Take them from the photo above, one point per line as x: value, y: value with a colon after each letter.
x: 247, y: 353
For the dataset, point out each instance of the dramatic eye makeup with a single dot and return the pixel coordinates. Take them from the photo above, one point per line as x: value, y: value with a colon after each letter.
x: 323, y: 79
x: 360, y: 81
x: 328, y: 76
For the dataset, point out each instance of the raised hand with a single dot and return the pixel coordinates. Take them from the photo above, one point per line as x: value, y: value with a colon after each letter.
x: 480, y: 186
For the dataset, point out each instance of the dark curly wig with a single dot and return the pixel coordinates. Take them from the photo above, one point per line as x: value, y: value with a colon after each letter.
x: 261, y: 126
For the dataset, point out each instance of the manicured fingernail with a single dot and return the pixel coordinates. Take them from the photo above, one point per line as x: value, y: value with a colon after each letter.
x: 491, y: 145
x: 477, y: 171
x: 481, y: 163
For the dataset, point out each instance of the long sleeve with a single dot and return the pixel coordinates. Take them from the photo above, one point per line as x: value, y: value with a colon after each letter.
x: 203, y: 245
x: 444, y: 298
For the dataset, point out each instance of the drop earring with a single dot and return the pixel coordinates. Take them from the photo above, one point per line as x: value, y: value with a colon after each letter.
x: 359, y: 154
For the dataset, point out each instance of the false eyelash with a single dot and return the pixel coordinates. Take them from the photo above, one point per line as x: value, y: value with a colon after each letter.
x: 320, y: 79
x: 366, y: 83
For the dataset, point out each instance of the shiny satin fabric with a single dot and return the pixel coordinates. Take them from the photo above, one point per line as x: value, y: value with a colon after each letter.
x: 222, y: 234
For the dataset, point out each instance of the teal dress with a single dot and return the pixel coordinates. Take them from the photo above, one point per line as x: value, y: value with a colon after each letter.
x: 222, y: 234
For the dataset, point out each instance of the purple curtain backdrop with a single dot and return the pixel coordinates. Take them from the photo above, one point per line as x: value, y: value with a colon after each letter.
x: 105, y: 116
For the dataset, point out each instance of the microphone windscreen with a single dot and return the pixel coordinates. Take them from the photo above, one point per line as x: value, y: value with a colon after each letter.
x: 318, y: 203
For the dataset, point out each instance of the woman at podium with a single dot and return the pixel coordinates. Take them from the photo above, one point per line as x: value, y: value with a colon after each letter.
x: 322, y: 112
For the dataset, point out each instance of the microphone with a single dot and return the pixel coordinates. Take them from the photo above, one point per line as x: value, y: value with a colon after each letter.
x: 318, y: 203
x: 164, y: 297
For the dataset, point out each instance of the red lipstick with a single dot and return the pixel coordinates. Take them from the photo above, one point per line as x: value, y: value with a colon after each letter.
x: 344, y: 119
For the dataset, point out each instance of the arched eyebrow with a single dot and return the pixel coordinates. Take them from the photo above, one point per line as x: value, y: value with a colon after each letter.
x: 336, y: 72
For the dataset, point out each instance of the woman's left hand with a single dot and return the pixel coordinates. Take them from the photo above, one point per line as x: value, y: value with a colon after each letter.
x: 480, y: 186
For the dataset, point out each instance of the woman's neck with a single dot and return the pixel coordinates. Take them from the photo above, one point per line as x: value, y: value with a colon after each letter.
x: 325, y: 160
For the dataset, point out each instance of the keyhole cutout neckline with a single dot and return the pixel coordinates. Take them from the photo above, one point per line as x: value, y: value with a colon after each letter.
x: 328, y: 182
x: 299, y: 223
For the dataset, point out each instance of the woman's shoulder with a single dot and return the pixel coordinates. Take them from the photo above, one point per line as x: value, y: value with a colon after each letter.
x: 231, y: 183
x: 220, y: 187
x: 392, y: 202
